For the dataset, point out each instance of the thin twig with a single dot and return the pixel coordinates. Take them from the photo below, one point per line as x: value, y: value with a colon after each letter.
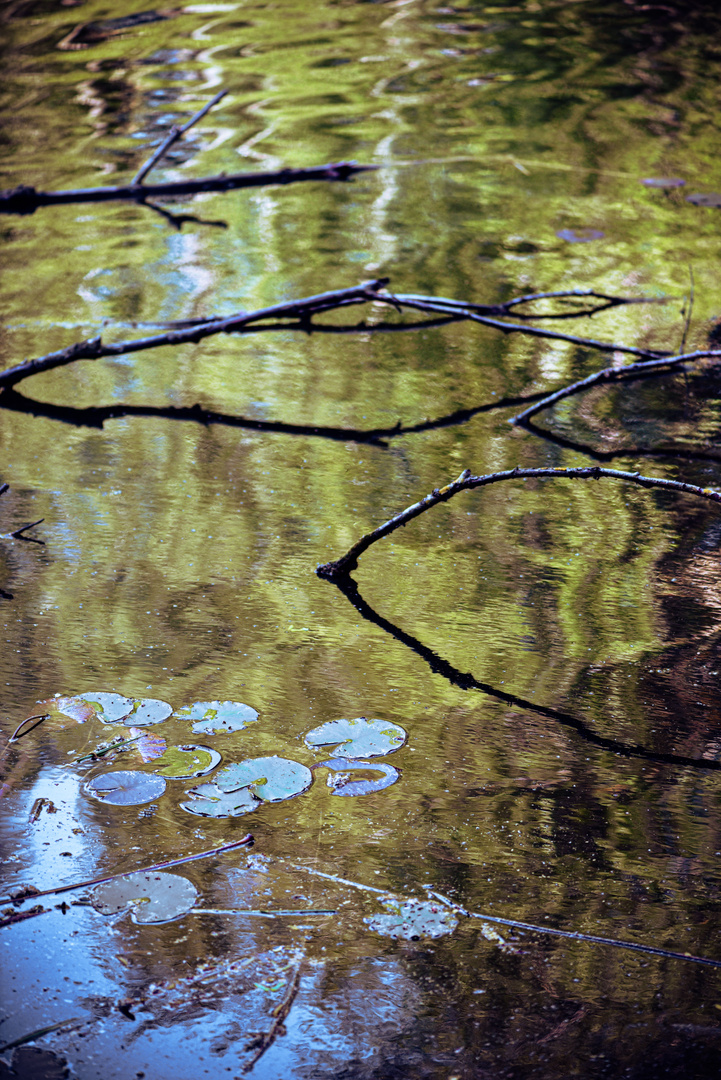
x: 465, y: 312
x: 689, y: 310
x: 24, y: 199
x: 173, y: 136
x: 576, y: 935
x: 466, y: 481
x: 612, y: 374
x: 265, y: 1041
x: 40, y: 717
x: 31, y: 894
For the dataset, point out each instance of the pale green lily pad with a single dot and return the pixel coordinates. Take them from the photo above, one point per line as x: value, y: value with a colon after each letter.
x: 216, y: 716
x: 186, y: 762
x: 413, y: 919
x: 152, y: 897
x: 207, y: 800
x: 108, y: 707
x: 270, y: 778
x: 148, y: 711
x: 342, y: 783
x: 126, y: 787
x: 359, y: 738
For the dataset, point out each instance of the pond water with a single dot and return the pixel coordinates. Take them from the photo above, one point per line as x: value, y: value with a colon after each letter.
x: 551, y: 649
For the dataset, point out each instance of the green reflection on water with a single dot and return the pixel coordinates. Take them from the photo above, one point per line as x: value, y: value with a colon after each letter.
x: 180, y: 557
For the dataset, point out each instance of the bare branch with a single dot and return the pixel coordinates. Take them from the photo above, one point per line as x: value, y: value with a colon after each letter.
x: 612, y: 374
x: 173, y: 136
x: 341, y: 567
x: 25, y: 199
x: 94, y: 349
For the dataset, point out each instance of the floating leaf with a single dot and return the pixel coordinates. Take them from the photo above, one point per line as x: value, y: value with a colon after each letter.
x: 208, y: 800
x: 215, y: 716
x: 705, y: 199
x: 185, y: 762
x: 126, y: 788
x: 149, y: 747
x: 109, y: 708
x: 664, y: 182
x: 270, y: 778
x: 74, y: 707
x: 152, y: 897
x: 579, y: 236
x: 343, y: 784
x: 360, y: 738
x: 148, y: 711
x: 412, y: 919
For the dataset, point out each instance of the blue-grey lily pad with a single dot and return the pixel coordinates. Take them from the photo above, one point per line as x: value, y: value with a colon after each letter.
x: 342, y: 783
x: 579, y: 236
x: 359, y: 738
x: 126, y: 787
x: 216, y: 716
x: 151, y: 896
x: 208, y: 800
x: 108, y: 707
x: 663, y: 181
x: 270, y: 778
x: 413, y: 919
x: 186, y: 762
x: 148, y: 711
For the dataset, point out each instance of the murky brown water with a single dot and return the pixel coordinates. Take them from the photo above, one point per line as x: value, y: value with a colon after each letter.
x: 179, y: 558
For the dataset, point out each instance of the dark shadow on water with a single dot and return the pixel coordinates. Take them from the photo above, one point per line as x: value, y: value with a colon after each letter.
x: 466, y: 681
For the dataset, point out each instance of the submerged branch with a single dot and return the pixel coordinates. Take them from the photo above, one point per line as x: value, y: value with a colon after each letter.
x: 341, y: 567
x: 25, y: 199
x: 649, y: 950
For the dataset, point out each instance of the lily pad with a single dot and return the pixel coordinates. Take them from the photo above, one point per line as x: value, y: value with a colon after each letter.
x: 126, y: 788
x: 270, y: 778
x: 76, y: 708
x: 663, y: 182
x: 711, y: 198
x: 359, y: 738
x: 148, y: 711
x: 207, y: 800
x: 342, y: 783
x: 413, y: 919
x: 216, y: 716
x: 152, y: 897
x: 185, y: 762
x: 109, y: 708
x: 579, y: 236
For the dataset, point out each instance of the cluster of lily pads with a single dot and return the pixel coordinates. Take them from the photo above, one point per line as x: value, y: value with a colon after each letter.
x: 239, y: 787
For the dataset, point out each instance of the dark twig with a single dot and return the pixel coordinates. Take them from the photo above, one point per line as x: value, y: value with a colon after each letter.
x: 39, y: 717
x: 29, y: 893
x: 263, y: 1042
x: 577, y: 935
x: 25, y: 199
x: 466, y: 681
x: 173, y: 136
x: 689, y: 310
x: 466, y: 481
x: 612, y: 374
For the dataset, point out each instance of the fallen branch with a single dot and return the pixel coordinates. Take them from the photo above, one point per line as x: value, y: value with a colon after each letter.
x: 341, y: 567
x: 613, y: 374
x: 94, y: 349
x: 30, y: 893
x: 26, y: 199
x: 576, y: 935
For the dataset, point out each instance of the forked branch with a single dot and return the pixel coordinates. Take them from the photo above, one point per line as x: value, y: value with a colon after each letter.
x: 342, y: 567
